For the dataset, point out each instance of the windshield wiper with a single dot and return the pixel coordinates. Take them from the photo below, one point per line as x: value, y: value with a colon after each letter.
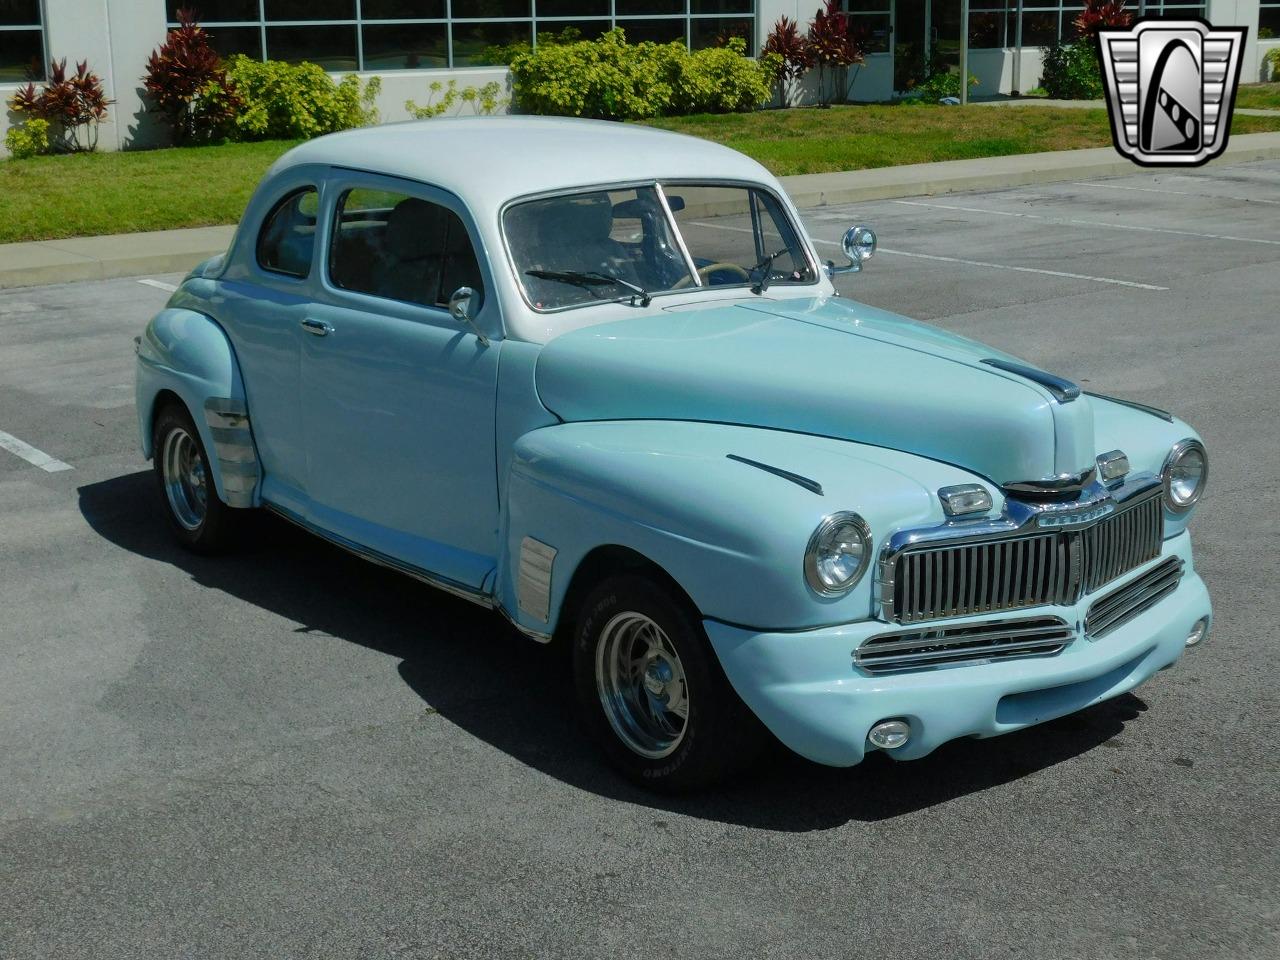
x: 766, y: 268
x: 593, y: 278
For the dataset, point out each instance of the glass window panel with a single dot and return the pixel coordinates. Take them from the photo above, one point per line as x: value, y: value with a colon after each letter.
x: 310, y: 9
x: 553, y: 32
x: 859, y: 6
x: 655, y: 31
x: 21, y: 56
x: 477, y: 44
x: 232, y: 40
x: 332, y: 47
x: 213, y: 11
x: 1269, y: 19
x: 20, y: 13
x: 406, y: 46
x: 402, y: 9
x: 717, y: 31
x: 1039, y: 29
x: 645, y: 8
x: 400, y: 247
x: 872, y: 31
x: 1069, y: 32
x: 573, y: 8
x: 496, y: 9
x: 288, y: 236
x: 725, y: 6
x: 986, y: 30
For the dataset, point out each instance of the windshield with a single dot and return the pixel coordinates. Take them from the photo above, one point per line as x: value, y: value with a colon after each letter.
x: 609, y: 245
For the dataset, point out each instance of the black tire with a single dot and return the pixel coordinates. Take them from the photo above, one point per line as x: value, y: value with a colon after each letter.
x: 200, y: 521
x: 719, y: 736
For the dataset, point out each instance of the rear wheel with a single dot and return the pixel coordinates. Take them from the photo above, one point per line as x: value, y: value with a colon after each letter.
x: 197, y: 516
x: 652, y: 692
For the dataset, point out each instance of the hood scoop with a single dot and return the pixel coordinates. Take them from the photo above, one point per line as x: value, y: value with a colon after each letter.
x: 1063, y: 390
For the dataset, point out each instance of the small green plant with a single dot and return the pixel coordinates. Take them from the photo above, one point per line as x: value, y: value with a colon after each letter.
x: 942, y: 83
x: 1071, y: 71
x: 74, y: 104
x: 1272, y: 59
x: 297, y: 101
x: 30, y: 139
x: 484, y: 100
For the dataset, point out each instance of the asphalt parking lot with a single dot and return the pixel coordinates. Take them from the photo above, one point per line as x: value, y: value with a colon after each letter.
x: 291, y: 753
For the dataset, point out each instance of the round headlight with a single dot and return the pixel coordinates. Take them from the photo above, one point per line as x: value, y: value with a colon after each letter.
x: 838, y: 554
x: 1185, y: 473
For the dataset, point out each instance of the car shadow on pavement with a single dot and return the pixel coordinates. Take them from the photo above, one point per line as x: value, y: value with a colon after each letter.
x: 471, y: 667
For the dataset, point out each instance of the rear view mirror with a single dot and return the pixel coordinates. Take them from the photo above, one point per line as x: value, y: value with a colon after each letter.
x: 464, y: 305
x: 859, y: 245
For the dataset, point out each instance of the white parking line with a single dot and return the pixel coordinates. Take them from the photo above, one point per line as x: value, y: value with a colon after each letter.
x: 1071, y: 222
x: 967, y: 263
x: 158, y: 284
x: 1180, y: 193
x: 37, y: 458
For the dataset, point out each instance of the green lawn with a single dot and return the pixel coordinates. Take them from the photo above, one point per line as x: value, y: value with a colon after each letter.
x: 85, y: 195
x: 1259, y: 96
x: 854, y: 138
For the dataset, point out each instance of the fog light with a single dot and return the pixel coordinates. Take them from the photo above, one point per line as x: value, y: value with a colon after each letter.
x: 889, y: 734
x: 1198, y: 632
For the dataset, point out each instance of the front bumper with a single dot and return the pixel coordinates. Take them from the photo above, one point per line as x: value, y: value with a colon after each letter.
x: 805, y: 687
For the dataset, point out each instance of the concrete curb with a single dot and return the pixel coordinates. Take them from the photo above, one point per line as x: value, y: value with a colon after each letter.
x: 175, y: 251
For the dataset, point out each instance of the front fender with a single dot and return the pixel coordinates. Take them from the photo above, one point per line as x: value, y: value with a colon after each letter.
x: 188, y: 354
x: 732, y: 535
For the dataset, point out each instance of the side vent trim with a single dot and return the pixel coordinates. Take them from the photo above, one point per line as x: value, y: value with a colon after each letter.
x: 533, y: 578
x: 237, y: 456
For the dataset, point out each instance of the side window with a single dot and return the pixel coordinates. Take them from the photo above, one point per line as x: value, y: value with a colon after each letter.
x: 288, y: 235
x: 400, y: 247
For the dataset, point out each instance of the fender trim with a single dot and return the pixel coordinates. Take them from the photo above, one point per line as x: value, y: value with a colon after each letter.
x: 228, y: 421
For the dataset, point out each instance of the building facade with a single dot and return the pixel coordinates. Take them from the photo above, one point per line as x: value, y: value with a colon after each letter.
x: 410, y: 43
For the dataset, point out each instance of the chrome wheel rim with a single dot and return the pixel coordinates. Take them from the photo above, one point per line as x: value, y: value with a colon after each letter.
x: 186, y: 481
x: 642, y: 685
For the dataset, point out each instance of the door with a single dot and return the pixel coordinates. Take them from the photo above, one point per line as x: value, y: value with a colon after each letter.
x: 398, y: 398
x: 260, y: 308
x: 926, y: 36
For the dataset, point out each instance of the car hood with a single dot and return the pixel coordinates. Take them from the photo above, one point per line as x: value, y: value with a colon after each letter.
x: 825, y: 366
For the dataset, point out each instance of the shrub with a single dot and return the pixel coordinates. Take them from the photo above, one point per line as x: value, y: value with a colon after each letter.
x: 1099, y: 15
x: 1071, y: 71
x: 941, y: 82
x: 187, y: 84
x: 1272, y: 59
x: 832, y: 48
x: 485, y: 100
x: 610, y: 79
x: 296, y: 101
x: 73, y: 105
x: 786, y: 43
x: 28, y: 139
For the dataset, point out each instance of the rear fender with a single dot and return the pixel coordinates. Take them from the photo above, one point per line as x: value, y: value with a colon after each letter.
x: 187, y: 354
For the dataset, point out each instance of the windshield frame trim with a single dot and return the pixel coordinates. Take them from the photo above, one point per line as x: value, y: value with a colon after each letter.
x: 675, y: 232
x: 801, y: 236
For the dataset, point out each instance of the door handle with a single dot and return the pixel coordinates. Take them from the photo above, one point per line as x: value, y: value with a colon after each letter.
x: 317, y: 328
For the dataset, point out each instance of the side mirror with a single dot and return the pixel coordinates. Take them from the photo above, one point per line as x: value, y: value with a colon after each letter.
x: 464, y: 304
x: 859, y: 245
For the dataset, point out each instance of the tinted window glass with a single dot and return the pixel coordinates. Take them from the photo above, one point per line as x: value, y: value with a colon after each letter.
x: 288, y: 234
x: 400, y: 247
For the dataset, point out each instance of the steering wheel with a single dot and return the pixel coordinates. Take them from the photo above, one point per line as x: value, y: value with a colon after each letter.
x: 710, y: 268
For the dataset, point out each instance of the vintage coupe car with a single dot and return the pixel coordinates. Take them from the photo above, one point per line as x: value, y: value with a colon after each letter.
x: 596, y: 377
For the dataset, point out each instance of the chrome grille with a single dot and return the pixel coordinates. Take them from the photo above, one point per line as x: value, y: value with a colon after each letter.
x: 937, y: 580
x: 1123, y: 604
x: 918, y: 649
x: 1127, y: 539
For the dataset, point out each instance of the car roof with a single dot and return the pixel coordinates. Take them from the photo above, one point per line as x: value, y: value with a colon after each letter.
x: 487, y: 161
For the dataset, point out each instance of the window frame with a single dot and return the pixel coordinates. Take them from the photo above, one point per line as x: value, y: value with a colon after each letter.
x: 38, y: 27
x: 805, y: 241
x: 341, y: 182
x: 286, y: 197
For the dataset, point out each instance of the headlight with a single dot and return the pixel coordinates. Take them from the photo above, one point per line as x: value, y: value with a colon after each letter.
x: 1185, y: 472
x: 838, y: 554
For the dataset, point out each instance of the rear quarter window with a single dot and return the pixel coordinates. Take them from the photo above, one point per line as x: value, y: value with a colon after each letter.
x: 287, y: 241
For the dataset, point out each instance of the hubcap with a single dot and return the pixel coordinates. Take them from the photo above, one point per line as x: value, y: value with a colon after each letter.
x: 185, y: 479
x: 642, y: 685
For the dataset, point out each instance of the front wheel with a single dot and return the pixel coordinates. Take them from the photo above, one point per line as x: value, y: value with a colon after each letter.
x: 652, y: 692
x: 198, y: 517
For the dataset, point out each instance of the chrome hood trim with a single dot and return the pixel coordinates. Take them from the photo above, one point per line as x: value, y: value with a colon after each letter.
x: 823, y: 366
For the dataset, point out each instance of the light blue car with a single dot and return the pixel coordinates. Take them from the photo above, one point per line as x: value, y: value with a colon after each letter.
x: 597, y: 378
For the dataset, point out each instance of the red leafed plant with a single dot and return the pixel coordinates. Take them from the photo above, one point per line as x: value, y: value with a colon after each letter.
x: 792, y: 51
x: 832, y: 45
x: 187, y: 83
x: 73, y: 104
x: 1100, y: 14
